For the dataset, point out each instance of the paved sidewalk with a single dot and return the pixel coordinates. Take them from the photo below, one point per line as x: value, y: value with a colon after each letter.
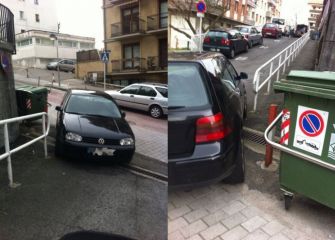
x: 149, y: 142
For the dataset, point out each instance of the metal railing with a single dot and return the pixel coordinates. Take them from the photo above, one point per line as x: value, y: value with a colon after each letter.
x: 281, y: 60
x: 9, y: 152
x: 128, y: 65
x: 128, y: 27
x: 7, y: 33
x: 156, y: 22
x: 156, y: 63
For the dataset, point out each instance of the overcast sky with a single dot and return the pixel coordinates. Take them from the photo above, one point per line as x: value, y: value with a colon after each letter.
x: 81, y: 17
x: 292, y: 7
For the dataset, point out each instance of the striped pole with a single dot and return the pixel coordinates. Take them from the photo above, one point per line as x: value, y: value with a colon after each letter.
x: 285, y: 128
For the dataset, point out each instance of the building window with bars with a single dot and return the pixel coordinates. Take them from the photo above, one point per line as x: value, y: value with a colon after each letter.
x: 37, y: 17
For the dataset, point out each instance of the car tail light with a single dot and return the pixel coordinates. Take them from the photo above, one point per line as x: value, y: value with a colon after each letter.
x: 211, y: 128
x: 246, y: 36
x: 207, y: 40
x: 225, y: 42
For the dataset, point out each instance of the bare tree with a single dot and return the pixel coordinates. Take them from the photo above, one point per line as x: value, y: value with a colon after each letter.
x: 187, y: 9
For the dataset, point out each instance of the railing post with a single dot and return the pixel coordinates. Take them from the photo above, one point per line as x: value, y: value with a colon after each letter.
x: 256, y: 91
x: 278, y: 73
x: 9, y: 160
x: 45, y: 137
x: 269, y: 82
x: 289, y: 57
x: 269, y: 148
x: 284, y: 68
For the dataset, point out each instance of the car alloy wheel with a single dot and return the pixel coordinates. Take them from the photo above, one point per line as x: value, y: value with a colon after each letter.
x: 156, y: 111
x: 232, y: 53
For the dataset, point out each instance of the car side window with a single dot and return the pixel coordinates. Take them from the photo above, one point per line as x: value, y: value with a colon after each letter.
x: 130, y: 90
x: 223, y: 73
x: 163, y: 91
x: 232, y: 71
x: 147, y: 91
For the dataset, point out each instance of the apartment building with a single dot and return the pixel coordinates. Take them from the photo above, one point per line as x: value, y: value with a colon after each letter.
x: 315, y: 9
x: 136, y: 36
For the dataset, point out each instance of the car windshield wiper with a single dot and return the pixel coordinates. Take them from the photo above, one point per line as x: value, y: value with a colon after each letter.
x: 73, y: 113
x: 176, y: 107
x: 97, y: 115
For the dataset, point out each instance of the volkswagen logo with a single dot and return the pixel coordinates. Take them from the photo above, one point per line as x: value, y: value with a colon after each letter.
x: 101, y: 141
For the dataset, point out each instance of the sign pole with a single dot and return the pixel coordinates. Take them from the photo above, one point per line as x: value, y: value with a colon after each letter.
x: 200, y: 35
x: 105, y: 66
x: 201, y: 9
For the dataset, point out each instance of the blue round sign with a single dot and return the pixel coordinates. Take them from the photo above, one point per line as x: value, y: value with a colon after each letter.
x: 311, y: 123
x: 201, y: 7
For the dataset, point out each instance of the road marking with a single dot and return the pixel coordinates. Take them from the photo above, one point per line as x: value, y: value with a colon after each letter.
x: 241, y: 58
x: 276, y: 40
x: 264, y: 47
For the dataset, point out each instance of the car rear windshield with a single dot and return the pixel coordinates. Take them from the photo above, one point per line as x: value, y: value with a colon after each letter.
x: 270, y: 25
x: 186, y: 86
x: 163, y: 91
x: 92, y: 105
x: 242, y: 29
x: 217, y: 34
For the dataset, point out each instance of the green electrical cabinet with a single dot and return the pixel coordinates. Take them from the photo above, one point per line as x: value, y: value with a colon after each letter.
x: 307, y: 164
x: 31, y: 100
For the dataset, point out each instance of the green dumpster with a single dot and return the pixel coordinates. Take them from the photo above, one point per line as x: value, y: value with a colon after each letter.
x: 31, y: 100
x: 307, y: 143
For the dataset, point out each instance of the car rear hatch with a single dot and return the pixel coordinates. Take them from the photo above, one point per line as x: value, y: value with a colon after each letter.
x: 216, y: 38
x: 189, y: 101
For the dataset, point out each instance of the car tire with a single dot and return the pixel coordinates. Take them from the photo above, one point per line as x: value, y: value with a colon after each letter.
x: 59, y: 149
x: 251, y: 44
x: 232, y: 53
x: 156, y: 111
x: 246, y: 48
x: 238, y: 174
x: 261, y: 41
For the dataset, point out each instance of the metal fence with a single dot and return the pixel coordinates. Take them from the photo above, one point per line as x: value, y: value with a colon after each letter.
x: 9, y: 152
x: 7, y: 32
x: 264, y: 73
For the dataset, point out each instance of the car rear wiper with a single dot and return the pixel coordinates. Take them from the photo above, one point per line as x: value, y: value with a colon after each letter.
x: 176, y: 107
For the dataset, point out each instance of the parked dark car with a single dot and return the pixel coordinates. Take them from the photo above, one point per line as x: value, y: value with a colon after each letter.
x: 251, y: 34
x: 90, y: 124
x: 207, y: 106
x: 228, y: 43
x: 300, y: 30
x: 271, y: 30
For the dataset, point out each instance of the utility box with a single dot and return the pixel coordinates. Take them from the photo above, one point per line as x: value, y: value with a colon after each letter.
x: 307, y: 164
x: 31, y: 100
x: 8, y: 107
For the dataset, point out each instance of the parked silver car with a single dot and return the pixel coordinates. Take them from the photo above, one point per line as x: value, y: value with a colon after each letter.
x: 149, y: 97
x: 64, y: 65
x: 251, y: 34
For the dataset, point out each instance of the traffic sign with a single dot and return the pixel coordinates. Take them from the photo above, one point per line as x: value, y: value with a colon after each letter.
x: 104, y: 56
x: 201, y: 7
x: 311, y: 123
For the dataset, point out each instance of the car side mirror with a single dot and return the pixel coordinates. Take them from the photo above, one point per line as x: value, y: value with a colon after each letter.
x: 58, y: 108
x: 123, y: 114
x: 243, y: 75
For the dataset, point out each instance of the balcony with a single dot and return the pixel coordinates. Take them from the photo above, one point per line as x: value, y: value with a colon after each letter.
x: 272, y: 2
x: 114, y: 3
x: 157, y: 22
x: 128, y: 66
x: 134, y: 27
x: 249, y: 21
x: 7, y: 33
x: 156, y: 63
x: 251, y: 3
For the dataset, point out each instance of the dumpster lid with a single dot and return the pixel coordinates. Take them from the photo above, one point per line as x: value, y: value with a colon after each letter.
x: 324, y: 79
x: 299, y: 88
x: 31, y: 89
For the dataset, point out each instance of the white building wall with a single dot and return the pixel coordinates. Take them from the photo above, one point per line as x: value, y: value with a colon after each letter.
x: 46, y: 9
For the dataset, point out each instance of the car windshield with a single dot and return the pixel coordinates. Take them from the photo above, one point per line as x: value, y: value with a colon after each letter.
x: 270, y: 25
x: 242, y: 29
x: 163, y: 91
x: 217, y: 34
x: 92, y: 105
x: 186, y: 86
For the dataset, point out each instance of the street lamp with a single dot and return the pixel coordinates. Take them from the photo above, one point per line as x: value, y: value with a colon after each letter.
x: 54, y: 38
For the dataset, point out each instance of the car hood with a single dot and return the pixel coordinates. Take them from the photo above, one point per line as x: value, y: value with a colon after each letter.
x: 52, y: 63
x: 96, y: 126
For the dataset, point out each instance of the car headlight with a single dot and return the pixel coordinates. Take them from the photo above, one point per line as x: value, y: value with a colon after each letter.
x: 127, y: 142
x: 73, y: 137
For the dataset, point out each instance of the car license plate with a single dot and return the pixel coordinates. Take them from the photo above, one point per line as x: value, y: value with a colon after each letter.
x: 213, y: 49
x: 268, y: 33
x: 101, y: 151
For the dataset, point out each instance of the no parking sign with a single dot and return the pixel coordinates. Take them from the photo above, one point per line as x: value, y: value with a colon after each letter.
x: 310, y: 129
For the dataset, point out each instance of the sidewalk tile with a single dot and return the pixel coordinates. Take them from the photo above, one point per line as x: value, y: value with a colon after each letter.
x: 279, y: 236
x: 273, y: 228
x: 178, y: 212
x: 215, y: 217
x: 176, y: 236
x: 195, y: 237
x: 233, y: 207
x: 234, y: 220
x: 213, y: 231
x: 257, y: 235
x: 194, y: 228
x: 254, y: 223
x: 176, y: 224
x: 236, y: 233
x: 250, y: 212
x: 196, y: 215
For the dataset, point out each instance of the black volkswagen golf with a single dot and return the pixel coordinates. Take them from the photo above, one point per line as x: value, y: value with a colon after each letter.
x: 90, y: 124
x: 207, y: 105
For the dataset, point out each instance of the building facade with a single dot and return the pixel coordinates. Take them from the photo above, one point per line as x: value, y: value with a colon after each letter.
x: 33, y: 14
x: 262, y: 11
x: 34, y: 48
x: 136, y: 36
x: 315, y: 10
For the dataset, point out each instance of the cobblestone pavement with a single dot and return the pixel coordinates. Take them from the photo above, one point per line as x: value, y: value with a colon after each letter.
x: 233, y: 212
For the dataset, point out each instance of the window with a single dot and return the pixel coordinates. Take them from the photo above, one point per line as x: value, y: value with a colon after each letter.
x: 37, y: 17
x: 66, y: 43
x: 163, y: 10
x: 22, y: 30
x: 147, y: 91
x: 25, y: 42
x: 131, y: 90
x: 131, y: 54
x: 86, y: 45
x: 21, y: 15
x: 236, y: 6
x: 36, y: 2
x: 163, y: 91
x: 44, y: 41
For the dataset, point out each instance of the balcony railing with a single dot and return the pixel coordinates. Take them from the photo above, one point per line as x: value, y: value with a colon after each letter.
x: 7, y: 33
x: 120, y: 2
x: 155, y: 63
x: 251, y: 3
x: 128, y: 65
x: 156, y: 22
x: 249, y: 21
x: 128, y: 27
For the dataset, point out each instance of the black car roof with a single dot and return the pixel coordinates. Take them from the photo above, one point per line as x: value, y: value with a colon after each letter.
x: 192, y: 56
x: 88, y: 92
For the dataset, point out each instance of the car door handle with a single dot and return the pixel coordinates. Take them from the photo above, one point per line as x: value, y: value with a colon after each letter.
x: 131, y: 96
x: 152, y: 98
